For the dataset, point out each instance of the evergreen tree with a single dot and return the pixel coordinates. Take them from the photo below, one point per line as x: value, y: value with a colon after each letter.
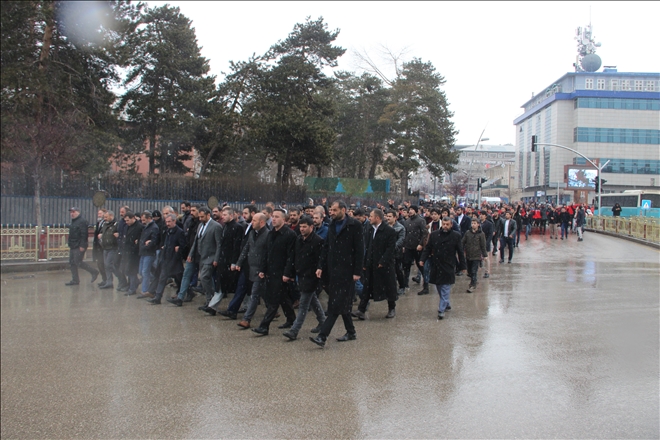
x: 168, y: 90
x: 423, y: 133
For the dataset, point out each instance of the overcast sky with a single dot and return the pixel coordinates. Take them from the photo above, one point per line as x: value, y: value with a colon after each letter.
x: 493, y: 55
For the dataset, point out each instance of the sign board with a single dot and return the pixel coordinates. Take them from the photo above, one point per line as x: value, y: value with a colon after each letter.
x: 646, y: 204
x: 540, y: 193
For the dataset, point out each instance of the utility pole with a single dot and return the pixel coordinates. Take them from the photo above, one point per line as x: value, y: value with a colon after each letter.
x: 598, y: 167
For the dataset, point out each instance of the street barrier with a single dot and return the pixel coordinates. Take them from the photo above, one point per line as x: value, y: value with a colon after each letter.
x: 642, y: 228
x: 26, y: 243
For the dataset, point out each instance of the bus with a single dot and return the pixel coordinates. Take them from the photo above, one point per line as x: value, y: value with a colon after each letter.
x: 631, y: 202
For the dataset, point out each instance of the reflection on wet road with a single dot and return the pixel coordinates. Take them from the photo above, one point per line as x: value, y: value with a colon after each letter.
x: 561, y: 343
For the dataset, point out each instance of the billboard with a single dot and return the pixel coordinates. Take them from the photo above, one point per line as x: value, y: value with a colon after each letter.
x: 581, y: 178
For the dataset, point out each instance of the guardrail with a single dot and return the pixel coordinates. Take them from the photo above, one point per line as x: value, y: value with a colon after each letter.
x: 25, y: 243
x: 643, y: 228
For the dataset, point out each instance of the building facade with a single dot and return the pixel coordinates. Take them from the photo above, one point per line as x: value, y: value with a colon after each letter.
x: 607, y: 116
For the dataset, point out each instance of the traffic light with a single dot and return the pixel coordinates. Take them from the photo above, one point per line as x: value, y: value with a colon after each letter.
x: 602, y: 182
x: 534, y: 140
x: 481, y: 181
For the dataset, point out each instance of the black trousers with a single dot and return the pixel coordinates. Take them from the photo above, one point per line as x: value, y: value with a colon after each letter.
x: 410, y: 256
x: 271, y: 311
x: 76, y: 259
x: 330, y: 320
x: 398, y: 267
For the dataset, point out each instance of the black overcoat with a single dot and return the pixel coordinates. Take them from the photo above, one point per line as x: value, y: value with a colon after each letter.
x: 442, y: 249
x: 342, y: 258
x: 171, y: 260
x: 380, y: 282
x: 253, y: 254
x: 279, y: 262
x: 131, y: 249
x: 306, y: 261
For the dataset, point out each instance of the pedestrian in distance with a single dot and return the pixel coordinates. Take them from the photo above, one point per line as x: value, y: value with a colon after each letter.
x: 78, y: 243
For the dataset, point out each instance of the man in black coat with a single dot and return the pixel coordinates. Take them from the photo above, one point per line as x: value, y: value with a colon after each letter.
x: 78, y: 243
x: 306, y: 260
x: 442, y: 248
x: 97, y: 249
x: 379, y: 269
x: 277, y: 272
x: 413, y: 243
x: 464, y: 221
x: 170, y: 259
x: 230, y: 245
x: 130, y: 260
x: 340, y: 266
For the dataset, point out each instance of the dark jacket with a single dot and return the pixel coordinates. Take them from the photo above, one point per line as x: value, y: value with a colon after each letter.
x: 108, y: 239
x: 306, y: 261
x: 78, y: 233
x: 416, y: 232
x: 280, y: 251
x: 131, y: 249
x: 189, y: 229
x: 97, y: 249
x: 149, y: 233
x: 342, y: 258
x: 513, y: 227
x: 121, y: 230
x: 322, y: 231
x: 171, y: 260
x: 442, y: 249
x: 487, y: 229
x: 254, y: 253
x: 400, y: 237
x: 474, y: 244
x: 230, y: 250
x: 380, y: 274
x: 465, y: 224
x: 497, y: 226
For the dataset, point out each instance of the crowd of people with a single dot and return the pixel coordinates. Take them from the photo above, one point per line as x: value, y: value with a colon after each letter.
x: 287, y: 257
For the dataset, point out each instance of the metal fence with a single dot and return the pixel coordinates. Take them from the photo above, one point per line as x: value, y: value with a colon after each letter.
x: 25, y: 243
x: 643, y: 228
x: 55, y: 210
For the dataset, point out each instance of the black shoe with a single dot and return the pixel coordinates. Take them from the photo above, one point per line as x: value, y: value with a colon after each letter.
x: 441, y: 315
x: 509, y: 261
x: 417, y: 279
x: 348, y: 337
x: 285, y: 325
x: 197, y: 289
x: 424, y: 291
x: 316, y: 329
x: 209, y: 310
x: 291, y: 335
x: 391, y: 314
x: 501, y: 261
x: 102, y: 283
x: 261, y: 331
x: 486, y: 275
x: 177, y: 302
x: 106, y: 286
x: 448, y: 308
x: 459, y: 274
x: 72, y: 283
x: 241, y: 311
x: 154, y: 301
x: 318, y: 341
x: 228, y: 314
x: 95, y: 275
x: 122, y: 289
x: 130, y: 292
x: 359, y: 315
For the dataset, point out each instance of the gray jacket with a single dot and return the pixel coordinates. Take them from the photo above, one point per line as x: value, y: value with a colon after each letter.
x: 400, y: 236
x: 206, y: 249
x: 255, y: 252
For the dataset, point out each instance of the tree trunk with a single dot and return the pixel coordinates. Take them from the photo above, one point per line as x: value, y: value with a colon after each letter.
x: 152, y: 153
x: 375, y: 159
x: 404, y: 184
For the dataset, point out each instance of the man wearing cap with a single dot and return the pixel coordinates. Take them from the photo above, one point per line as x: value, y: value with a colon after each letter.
x: 77, y: 247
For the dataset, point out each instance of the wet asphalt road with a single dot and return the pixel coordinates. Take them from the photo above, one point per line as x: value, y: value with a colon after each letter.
x: 563, y: 343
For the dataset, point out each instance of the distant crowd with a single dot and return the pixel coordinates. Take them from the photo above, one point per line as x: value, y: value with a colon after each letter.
x: 286, y: 257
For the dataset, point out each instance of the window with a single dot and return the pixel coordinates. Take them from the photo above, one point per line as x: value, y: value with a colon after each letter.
x: 616, y: 135
x: 625, y: 84
x: 650, y: 86
x: 600, y: 84
x: 638, y: 85
x: 589, y: 83
x: 614, y: 84
x: 618, y: 103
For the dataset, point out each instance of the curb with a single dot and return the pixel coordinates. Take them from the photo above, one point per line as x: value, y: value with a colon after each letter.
x: 625, y: 237
x: 34, y: 266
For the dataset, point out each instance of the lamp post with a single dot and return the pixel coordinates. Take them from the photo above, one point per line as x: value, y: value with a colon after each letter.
x: 469, y: 173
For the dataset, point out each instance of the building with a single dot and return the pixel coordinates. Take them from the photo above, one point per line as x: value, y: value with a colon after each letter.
x: 607, y: 116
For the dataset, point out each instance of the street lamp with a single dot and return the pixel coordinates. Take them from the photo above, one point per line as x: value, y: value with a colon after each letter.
x: 469, y: 173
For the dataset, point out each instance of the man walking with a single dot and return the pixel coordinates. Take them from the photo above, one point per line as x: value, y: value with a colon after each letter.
x: 416, y: 233
x: 109, y: 243
x: 170, y: 257
x: 379, y: 271
x: 306, y: 259
x: 340, y: 267
x: 149, y: 240
x: 130, y: 261
x: 277, y: 272
x: 78, y: 243
x: 443, y: 246
x: 206, y: 252
x: 97, y: 249
x: 508, y: 233
x: 391, y: 218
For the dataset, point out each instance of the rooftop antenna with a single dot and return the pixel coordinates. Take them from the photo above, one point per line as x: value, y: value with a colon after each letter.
x: 586, y: 60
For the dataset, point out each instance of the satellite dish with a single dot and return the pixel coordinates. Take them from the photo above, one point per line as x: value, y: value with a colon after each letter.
x: 212, y: 202
x: 98, y: 198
